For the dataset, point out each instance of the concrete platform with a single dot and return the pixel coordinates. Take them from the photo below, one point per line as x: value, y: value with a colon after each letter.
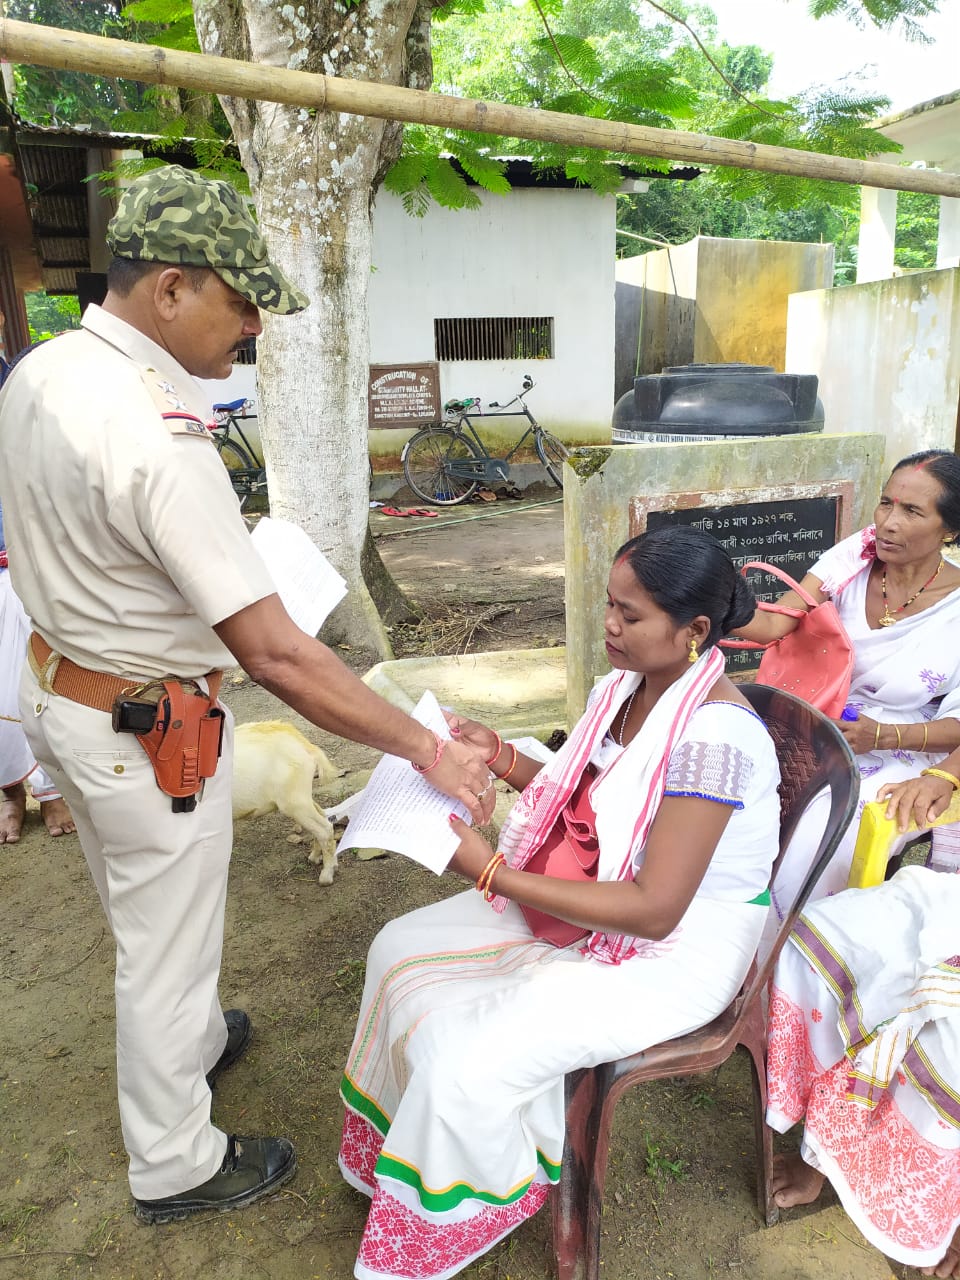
x: 518, y: 692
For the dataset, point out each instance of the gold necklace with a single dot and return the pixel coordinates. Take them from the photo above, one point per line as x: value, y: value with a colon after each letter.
x: 887, y: 619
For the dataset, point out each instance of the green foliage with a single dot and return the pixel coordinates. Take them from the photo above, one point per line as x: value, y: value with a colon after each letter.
x: 660, y: 1167
x: 421, y: 176
x: 173, y: 18
x: 49, y: 315
x: 885, y: 14
x: 623, y: 60
x: 703, y: 1099
x: 918, y: 218
x: 615, y: 60
x: 487, y: 173
x: 828, y: 123
x: 213, y: 161
x: 46, y: 96
x: 674, y: 212
x: 173, y: 118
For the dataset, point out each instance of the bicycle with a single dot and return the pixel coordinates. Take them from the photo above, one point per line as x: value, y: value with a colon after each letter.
x: 247, y: 476
x: 446, y: 463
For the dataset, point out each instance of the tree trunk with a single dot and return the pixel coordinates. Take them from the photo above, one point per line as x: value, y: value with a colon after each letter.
x: 392, y: 605
x: 313, y: 176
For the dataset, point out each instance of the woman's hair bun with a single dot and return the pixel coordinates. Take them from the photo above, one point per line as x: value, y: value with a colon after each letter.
x: 689, y: 574
x: 743, y: 605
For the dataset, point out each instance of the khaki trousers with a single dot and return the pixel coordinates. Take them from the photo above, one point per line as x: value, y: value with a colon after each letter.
x: 162, y: 880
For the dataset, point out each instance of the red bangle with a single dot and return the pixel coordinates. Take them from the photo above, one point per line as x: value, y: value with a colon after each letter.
x: 485, y: 878
x: 489, y: 893
x: 489, y: 762
x: 425, y: 768
x: 502, y: 777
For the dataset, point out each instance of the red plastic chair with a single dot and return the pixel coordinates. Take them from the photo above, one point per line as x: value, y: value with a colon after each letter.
x: 813, y: 756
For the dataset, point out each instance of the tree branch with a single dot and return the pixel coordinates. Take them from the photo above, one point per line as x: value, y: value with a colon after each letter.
x: 681, y: 22
x: 566, y: 70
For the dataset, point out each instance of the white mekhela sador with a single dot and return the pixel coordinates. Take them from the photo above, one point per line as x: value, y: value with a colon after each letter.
x: 453, y: 1088
x: 901, y: 675
x: 865, y: 1049
x: 16, y: 759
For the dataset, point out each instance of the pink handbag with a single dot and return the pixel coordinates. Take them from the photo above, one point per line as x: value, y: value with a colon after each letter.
x: 569, y: 852
x: 814, y: 661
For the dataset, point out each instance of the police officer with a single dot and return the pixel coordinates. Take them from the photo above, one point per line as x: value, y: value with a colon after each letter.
x: 130, y: 555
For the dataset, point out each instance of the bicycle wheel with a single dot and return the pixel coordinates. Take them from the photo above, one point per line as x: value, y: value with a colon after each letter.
x: 551, y: 453
x: 427, y: 458
x: 238, y: 463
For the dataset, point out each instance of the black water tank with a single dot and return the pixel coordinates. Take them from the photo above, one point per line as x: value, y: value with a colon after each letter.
x: 717, y: 402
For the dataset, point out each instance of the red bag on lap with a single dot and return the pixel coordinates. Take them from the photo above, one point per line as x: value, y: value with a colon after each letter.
x: 569, y: 852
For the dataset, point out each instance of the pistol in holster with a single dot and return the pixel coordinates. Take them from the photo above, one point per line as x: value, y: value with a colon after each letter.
x: 182, y: 735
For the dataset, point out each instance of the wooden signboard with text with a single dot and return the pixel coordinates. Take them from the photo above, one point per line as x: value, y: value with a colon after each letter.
x: 790, y: 526
x: 403, y: 395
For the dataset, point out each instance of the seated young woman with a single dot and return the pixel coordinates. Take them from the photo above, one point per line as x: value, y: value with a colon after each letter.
x: 454, y: 1086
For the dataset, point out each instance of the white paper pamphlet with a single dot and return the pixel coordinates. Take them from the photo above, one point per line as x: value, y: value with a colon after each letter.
x: 308, y: 585
x: 401, y: 811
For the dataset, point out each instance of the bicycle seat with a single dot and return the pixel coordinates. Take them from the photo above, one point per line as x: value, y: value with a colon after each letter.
x: 232, y: 407
x: 460, y: 406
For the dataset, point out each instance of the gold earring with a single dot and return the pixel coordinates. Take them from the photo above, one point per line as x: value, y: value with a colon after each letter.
x: 693, y: 655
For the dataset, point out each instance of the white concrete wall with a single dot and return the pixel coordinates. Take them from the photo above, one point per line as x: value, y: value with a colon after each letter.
x: 878, y: 234
x: 529, y: 253
x: 241, y: 383
x: 948, y: 233
x: 887, y: 355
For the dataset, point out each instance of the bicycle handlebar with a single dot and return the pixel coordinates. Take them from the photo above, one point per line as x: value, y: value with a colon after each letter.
x: 464, y: 406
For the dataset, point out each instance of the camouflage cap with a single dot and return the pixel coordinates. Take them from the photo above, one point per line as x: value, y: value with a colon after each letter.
x: 174, y: 216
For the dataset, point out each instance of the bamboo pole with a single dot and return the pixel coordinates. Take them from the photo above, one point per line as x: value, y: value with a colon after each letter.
x: 70, y: 50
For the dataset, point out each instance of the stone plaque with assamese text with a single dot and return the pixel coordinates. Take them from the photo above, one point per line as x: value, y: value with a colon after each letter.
x: 791, y: 533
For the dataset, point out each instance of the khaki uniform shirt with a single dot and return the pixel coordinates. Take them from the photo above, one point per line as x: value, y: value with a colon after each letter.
x: 125, y: 537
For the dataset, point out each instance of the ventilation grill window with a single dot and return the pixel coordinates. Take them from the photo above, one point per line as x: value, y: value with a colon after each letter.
x: 494, y: 338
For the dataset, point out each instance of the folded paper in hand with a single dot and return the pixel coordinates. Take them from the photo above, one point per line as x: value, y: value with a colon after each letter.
x: 308, y: 585
x: 400, y: 810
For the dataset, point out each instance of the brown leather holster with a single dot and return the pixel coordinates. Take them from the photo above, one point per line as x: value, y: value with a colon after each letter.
x: 185, y: 742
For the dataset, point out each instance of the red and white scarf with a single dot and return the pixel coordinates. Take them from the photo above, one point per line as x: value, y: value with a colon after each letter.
x: 639, y: 771
x: 849, y: 559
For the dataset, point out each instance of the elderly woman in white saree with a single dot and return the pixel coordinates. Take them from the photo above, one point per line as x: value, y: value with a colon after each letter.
x: 454, y: 1086
x: 865, y: 1049
x: 899, y: 601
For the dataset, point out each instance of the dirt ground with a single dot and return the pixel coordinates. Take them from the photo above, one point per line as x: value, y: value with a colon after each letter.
x: 680, y: 1190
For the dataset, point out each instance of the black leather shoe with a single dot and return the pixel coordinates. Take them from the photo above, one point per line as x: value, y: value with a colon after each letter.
x: 251, y: 1169
x: 239, y: 1035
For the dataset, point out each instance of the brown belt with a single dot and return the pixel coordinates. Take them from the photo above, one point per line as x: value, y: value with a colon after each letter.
x: 95, y: 689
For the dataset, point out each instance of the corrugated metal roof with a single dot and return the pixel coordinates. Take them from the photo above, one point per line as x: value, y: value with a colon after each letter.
x: 53, y: 162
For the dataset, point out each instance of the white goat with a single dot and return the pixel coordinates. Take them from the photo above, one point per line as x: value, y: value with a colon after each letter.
x: 274, y: 766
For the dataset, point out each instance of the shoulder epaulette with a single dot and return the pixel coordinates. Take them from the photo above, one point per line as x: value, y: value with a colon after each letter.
x: 180, y: 421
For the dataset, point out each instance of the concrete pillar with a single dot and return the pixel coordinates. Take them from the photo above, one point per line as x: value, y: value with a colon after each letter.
x: 948, y: 237
x: 878, y: 229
